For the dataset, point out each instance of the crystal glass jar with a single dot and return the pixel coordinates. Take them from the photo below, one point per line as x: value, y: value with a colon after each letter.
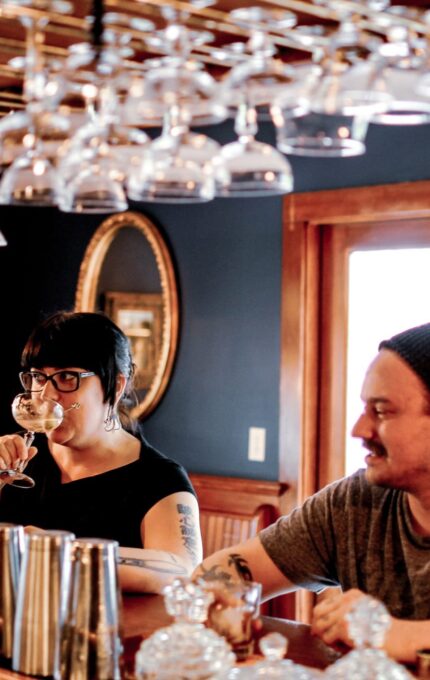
x: 368, y: 623
x: 185, y: 650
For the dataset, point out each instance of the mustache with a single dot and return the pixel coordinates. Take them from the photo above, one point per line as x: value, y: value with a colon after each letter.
x: 374, y: 447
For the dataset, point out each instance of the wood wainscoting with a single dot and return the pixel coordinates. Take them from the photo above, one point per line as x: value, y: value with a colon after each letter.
x: 233, y: 509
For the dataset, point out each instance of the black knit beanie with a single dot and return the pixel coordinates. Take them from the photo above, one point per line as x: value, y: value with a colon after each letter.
x: 413, y: 346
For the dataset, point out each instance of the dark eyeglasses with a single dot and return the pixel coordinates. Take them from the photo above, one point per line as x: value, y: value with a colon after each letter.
x: 63, y: 381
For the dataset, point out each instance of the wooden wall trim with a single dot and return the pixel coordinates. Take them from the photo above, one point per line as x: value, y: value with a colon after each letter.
x: 386, y: 201
x: 238, y: 495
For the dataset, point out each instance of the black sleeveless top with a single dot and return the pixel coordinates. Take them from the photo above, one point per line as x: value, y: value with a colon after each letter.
x: 109, y: 505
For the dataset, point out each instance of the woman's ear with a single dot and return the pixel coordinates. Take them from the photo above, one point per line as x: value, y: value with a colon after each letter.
x: 121, y: 383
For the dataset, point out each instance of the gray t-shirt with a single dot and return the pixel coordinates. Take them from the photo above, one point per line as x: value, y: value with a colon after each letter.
x: 356, y: 535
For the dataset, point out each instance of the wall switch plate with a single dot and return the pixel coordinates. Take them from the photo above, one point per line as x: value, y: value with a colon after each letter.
x: 257, y: 444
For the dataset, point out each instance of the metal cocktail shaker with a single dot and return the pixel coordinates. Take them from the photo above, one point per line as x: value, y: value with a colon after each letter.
x: 43, y: 595
x: 11, y: 549
x: 93, y: 645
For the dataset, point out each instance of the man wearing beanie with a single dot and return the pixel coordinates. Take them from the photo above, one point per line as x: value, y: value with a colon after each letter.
x: 368, y: 533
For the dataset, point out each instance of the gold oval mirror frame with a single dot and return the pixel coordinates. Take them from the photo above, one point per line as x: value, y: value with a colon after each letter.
x: 162, y: 310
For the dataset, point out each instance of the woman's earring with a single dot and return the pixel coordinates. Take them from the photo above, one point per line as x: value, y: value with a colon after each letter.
x: 112, y: 421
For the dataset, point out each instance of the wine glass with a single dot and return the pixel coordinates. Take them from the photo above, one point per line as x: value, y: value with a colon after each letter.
x: 179, y: 166
x: 31, y: 178
x: 35, y: 414
x: 252, y: 167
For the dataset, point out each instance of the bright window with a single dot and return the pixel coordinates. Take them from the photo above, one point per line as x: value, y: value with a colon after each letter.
x: 389, y: 291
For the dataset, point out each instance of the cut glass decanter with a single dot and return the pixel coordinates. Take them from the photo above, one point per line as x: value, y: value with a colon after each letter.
x: 368, y: 623
x: 185, y: 650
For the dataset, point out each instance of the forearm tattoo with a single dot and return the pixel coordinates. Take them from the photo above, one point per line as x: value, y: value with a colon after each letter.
x: 241, y: 566
x: 188, y: 531
x: 216, y: 573
x: 161, y: 565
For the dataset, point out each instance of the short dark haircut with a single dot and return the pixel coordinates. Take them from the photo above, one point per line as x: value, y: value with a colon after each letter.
x: 89, y: 340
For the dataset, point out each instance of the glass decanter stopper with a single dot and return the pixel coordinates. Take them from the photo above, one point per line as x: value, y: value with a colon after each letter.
x: 185, y: 650
x: 368, y: 623
x: 273, y: 646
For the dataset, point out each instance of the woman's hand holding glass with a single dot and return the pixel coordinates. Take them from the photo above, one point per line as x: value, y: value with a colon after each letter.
x: 14, y: 456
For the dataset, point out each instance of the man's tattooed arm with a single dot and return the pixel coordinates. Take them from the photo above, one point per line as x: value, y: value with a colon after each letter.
x: 190, y: 537
x: 163, y: 566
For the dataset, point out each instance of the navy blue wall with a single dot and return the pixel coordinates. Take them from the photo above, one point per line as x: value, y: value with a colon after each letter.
x: 228, y: 259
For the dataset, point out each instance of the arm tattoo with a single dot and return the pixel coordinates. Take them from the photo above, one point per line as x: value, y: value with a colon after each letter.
x: 215, y: 573
x: 241, y: 566
x: 188, y: 531
x: 162, y: 566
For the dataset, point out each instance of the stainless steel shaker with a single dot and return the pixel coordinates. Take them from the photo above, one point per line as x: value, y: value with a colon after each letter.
x: 93, y: 645
x: 43, y: 595
x: 11, y: 549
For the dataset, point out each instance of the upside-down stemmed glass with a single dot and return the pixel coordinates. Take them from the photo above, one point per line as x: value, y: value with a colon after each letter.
x: 343, y: 91
x: 253, y: 168
x: 175, y: 79
x: 258, y: 76
x: 91, y: 172
x: 35, y: 414
x: 31, y: 178
x: 179, y: 166
x: 403, y: 59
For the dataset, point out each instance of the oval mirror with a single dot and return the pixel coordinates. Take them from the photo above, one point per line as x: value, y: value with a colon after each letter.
x: 127, y: 272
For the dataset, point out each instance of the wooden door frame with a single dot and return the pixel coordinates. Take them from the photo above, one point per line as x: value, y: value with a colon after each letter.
x: 304, y: 218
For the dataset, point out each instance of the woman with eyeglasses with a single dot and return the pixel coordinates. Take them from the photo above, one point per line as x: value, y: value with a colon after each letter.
x: 95, y: 474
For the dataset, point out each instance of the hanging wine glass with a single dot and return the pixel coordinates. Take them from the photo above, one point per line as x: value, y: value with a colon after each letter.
x: 53, y: 127
x: 338, y: 121
x: 403, y: 58
x: 179, y: 166
x: 31, y: 178
x: 92, y: 173
x: 102, y: 142
x: 176, y: 79
x: 259, y: 76
x: 35, y: 414
x: 254, y: 168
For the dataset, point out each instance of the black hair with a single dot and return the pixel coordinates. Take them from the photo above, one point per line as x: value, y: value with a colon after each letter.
x: 90, y: 340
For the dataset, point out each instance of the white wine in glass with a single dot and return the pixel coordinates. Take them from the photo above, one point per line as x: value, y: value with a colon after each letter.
x: 35, y: 414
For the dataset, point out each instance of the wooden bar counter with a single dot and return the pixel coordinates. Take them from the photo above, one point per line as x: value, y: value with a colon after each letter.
x: 143, y: 614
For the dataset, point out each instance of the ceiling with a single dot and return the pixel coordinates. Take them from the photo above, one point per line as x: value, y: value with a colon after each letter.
x: 65, y: 30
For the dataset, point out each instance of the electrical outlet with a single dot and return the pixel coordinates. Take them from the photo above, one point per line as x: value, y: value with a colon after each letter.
x: 257, y: 444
